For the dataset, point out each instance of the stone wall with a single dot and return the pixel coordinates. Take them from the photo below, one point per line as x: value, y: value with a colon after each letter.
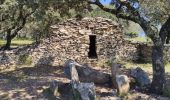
x: 145, y: 52
x: 127, y: 51
x: 71, y: 40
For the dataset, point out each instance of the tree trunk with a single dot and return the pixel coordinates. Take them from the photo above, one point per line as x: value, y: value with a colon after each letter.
x: 158, y: 69
x: 158, y: 66
x: 8, y: 41
x: 9, y: 38
x: 158, y: 60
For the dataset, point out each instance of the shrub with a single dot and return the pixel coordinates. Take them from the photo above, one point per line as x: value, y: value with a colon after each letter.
x: 25, y: 60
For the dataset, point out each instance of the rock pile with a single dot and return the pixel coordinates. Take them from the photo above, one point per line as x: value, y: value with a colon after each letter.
x: 87, y: 74
x: 80, y: 90
x: 73, y: 71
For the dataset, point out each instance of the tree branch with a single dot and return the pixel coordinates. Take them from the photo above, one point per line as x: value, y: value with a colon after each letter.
x: 122, y: 15
x: 24, y: 20
x: 131, y: 14
x: 165, y: 31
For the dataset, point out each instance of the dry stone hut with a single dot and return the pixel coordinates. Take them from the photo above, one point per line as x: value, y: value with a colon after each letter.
x: 87, y: 40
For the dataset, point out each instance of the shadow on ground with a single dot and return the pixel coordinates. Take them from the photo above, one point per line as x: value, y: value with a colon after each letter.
x: 28, y: 83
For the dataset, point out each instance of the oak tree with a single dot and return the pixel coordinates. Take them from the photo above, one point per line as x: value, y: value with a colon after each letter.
x: 149, y: 16
x: 15, y: 14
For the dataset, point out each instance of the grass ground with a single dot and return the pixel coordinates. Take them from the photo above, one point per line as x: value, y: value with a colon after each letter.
x: 145, y: 66
x: 17, y: 42
x: 139, y: 39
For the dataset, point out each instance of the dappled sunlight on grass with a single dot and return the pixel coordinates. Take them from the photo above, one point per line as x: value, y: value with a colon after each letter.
x: 27, y: 83
x: 17, y: 42
x: 139, y: 39
x: 145, y: 66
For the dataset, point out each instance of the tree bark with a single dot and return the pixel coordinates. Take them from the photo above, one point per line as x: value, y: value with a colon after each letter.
x: 158, y: 66
x: 158, y: 70
x: 9, y: 38
x: 165, y: 32
x: 158, y: 60
x: 8, y: 41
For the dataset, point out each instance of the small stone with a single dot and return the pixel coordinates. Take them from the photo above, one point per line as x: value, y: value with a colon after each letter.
x: 70, y: 70
x: 122, y: 84
x: 140, y: 76
x: 85, y: 91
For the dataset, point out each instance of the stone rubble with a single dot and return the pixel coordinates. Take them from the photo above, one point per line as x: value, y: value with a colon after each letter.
x: 85, y: 73
x: 80, y: 90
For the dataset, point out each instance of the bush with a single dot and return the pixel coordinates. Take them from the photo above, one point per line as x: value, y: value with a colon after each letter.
x: 25, y: 60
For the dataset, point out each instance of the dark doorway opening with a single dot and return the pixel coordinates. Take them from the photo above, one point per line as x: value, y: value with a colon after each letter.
x: 92, y: 47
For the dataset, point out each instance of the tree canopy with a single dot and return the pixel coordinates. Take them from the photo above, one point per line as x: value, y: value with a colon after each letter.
x: 16, y: 14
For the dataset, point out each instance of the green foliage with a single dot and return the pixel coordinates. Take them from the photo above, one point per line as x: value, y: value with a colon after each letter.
x: 97, y: 12
x: 132, y: 34
x: 39, y: 14
x: 158, y: 11
x: 25, y: 60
